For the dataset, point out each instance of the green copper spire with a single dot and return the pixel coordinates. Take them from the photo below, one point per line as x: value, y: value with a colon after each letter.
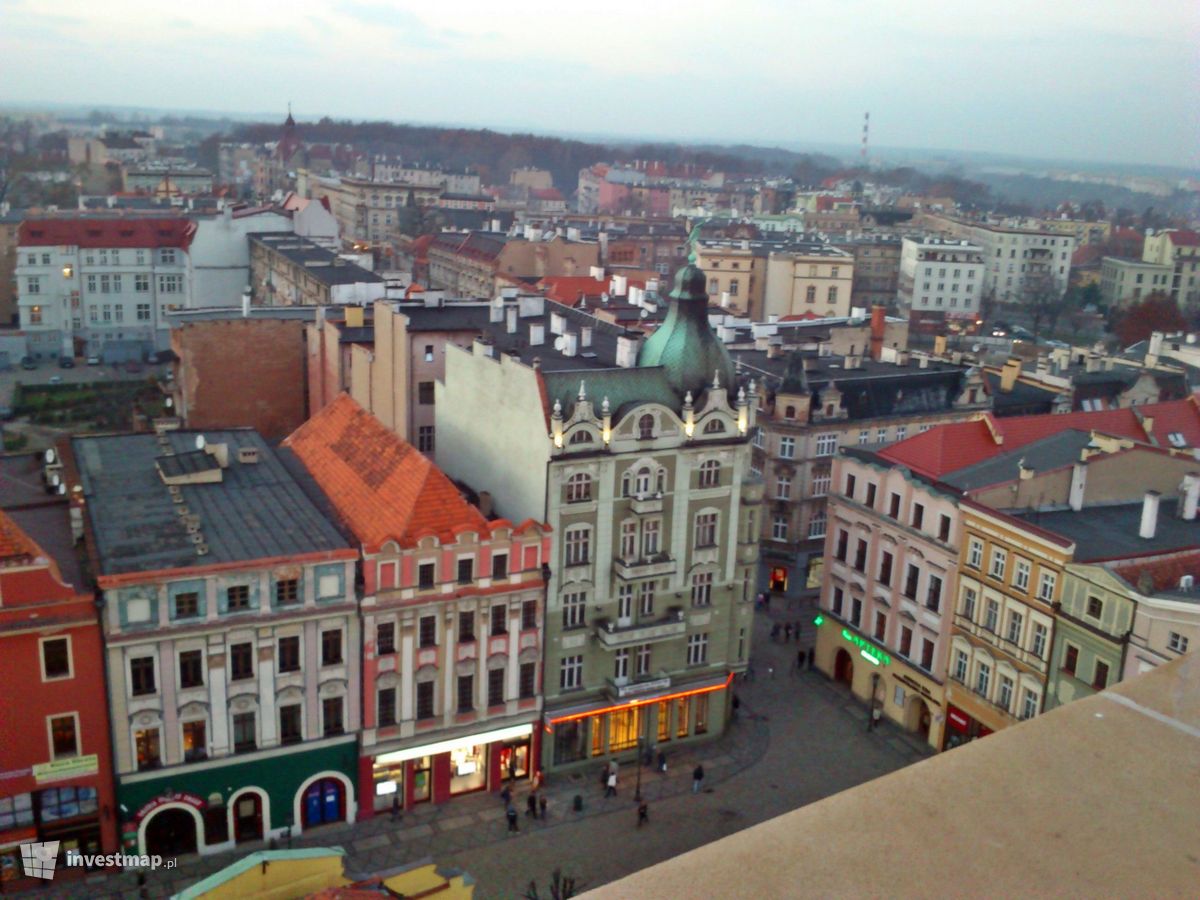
x: 684, y: 345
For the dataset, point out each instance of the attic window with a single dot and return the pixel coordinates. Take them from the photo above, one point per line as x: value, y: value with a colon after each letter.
x: 716, y: 426
x: 646, y: 427
x: 248, y: 455
x: 1177, y: 439
x: 581, y: 437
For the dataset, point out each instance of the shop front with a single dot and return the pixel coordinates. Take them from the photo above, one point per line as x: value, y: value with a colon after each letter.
x: 437, y: 772
x: 668, y: 716
x: 962, y: 727
x: 68, y: 814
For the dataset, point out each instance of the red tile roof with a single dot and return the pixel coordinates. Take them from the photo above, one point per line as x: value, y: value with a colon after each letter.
x: 16, y: 547
x: 567, y: 288
x: 381, y: 486
x: 546, y: 193
x: 1164, y: 572
x: 1184, y: 238
x: 111, y: 232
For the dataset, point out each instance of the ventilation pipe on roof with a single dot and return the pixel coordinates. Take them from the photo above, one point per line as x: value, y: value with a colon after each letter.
x: 1189, y: 498
x: 1149, y: 515
x: 1078, y: 485
x: 1010, y: 373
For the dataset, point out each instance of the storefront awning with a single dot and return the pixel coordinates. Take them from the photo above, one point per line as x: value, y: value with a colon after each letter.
x: 470, y: 740
x: 599, y: 707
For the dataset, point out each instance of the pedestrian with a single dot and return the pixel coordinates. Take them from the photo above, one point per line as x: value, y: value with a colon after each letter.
x: 395, y: 806
x: 797, y: 630
x: 506, y: 795
x: 662, y: 762
x: 613, y: 765
x: 538, y: 778
x: 643, y: 814
x: 511, y: 814
x: 512, y: 766
x: 775, y: 632
x: 531, y: 806
x: 787, y: 633
x: 737, y: 704
x: 697, y: 777
x: 542, y: 806
x: 800, y: 660
x: 610, y: 787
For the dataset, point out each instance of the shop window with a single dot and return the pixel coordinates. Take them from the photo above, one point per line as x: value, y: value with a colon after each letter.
x: 16, y: 812
x: 624, y: 728
x: 570, y: 741
x: 66, y: 803
x: 682, y: 718
x: 701, y: 711
x: 468, y: 769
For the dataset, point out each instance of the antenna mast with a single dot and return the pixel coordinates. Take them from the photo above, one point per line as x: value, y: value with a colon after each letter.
x: 866, y: 129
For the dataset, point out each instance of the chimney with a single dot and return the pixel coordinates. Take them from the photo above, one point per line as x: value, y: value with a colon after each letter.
x: 510, y: 320
x: 246, y: 303
x: 1149, y: 515
x: 1092, y: 363
x: 537, y: 334
x: 1010, y: 373
x: 1189, y: 496
x: 627, y: 348
x: 939, y: 345
x: 878, y: 325
x: 1078, y: 486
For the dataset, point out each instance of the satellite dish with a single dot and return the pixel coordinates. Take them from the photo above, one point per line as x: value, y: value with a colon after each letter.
x: 61, y: 489
x: 49, y: 457
x: 559, y: 342
x: 199, y: 442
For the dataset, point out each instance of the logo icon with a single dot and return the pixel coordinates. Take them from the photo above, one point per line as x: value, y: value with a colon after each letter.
x: 39, y: 859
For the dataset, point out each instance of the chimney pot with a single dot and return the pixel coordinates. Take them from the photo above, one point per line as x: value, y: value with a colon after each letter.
x: 1149, y: 515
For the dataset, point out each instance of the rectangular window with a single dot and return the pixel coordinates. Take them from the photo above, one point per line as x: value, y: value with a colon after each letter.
x: 880, y: 626
x: 860, y: 556
x: 528, y: 680
x: 706, y: 530
x: 147, y: 748
x: 787, y: 447
x: 697, y: 649
x: 287, y: 592
x: 1177, y: 642
x: 425, y: 393
x: 56, y: 658
x: 290, y: 731
x: 870, y: 501
x: 495, y: 687
x: 245, y: 737
x: 1021, y: 574
x: 289, y: 654
x: 1005, y: 694
x: 385, y: 706
x: 944, y: 528
x: 141, y: 675
x: 1100, y: 677
x: 425, y: 438
x: 851, y: 482
x: 1039, y: 640
x: 885, y: 567
x: 141, y: 285
x: 385, y: 638
x: 426, y: 573
x: 191, y: 669
x: 975, y: 553
x: 499, y: 566
x: 933, y: 593
x: 1015, y: 623
x: 499, y: 619
x: 779, y: 528
x: 643, y: 659
x: 621, y: 665
x: 1029, y: 704
x: 843, y: 540
x: 427, y: 631
x: 646, y: 599
x: 894, y: 506
x: 578, y: 546
x: 960, y: 666
x: 571, y: 673
x: 702, y: 589
x: 927, y: 647
x: 999, y: 563
x: 1071, y: 660
x: 237, y: 597
x: 195, y: 741
x: 918, y: 515
x: 64, y: 739
x: 905, y: 640
x: 816, y: 525
x: 856, y: 612
x: 1046, y: 587
x: 1095, y: 607
x: 331, y: 647
x: 187, y: 605
x: 425, y: 699
x: 241, y: 661
x: 331, y: 716
x: 428, y: 351
x: 466, y: 626
x: 466, y: 693
x: 821, y: 483
x: 466, y: 570
x: 912, y: 578
x: 968, y: 607
x: 983, y: 679
x: 574, y: 609
x: 783, y: 487
x: 826, y: 444
x: 991, y: 616
x: 835, y: 603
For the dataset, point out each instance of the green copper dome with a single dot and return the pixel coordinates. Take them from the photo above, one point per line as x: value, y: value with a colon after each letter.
x: 684, y: 345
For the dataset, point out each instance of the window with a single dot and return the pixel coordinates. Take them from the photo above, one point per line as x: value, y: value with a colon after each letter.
x: 918, y: 515
x: 1015, y: 623
x: 385, y: 638
x: 975, y: 553
x: 851, y: 484
x: 529, y: 618
x: 147, y: 748
x: 1095, y: 607
x: 1039, y: 640
x: 697, y: 649
x: 429, y: 353
x: 466, y: 626
x: 1005, y: 695
x: 710, y: 473
x: 141, y: 285
x: 983, y: 679
x: 621, y: 665
x: 56, y: 658
x: 905, y: 640
x: 466, y: 693
x: 527, y: 683
x: 195, y: 741
x: 870, y: 501
x: 167, y: 255
x: 425, y: 438
x: 578, y: 542
x: 1071, y: 660
x: 646, y: 427
x: 499, y: 566
x: 779, y: 528
x: 860, y: 556
x: 426, y: 573
x: 331, y: 716
x: 570, y: 675
x: 141, y: 675
x: 826, y: 444
x: 1021, y: 575
x: 885, y: 567
x: 816, y: 525
x: 843, y: 539
x: 1046, y: 587
x: 968, y: 607
x: 881, y: 436
x: 706, y: 530
x: 933, y: 593
x: 1177, y: 642
x: 425, y: 699
x: 894, y: 506
x: 1100, y: 676
x: 999, y: 563
x: 241, y: 665
x: 833, y: 294
x: 187, y: 605
x: 991, y: 616
x: 787, y: 447
x: 385, y: 706
x: 191, y: 669
x: 244, y: 737
x: 880, y: 626
x: 855, y: 612
x: 499, y: 619
x: 287, y: 592
x: 821, y: 483
x: 237, y: 597
x: 912, y: 577
x: 810, y: 294
x: 702, y: 589
x: 864, y: 438
x: 835, y: 603
x: 1029, y: 704
x: 427, y: 631
x: 63, y: 736
x: 651, y: 532
x: 579, y: 487
x: 495, y: 687
x: 646, y: 598
x: 960, y: 666
x: 466, y: 570
x: 574, y: 607
x: 901, y: 432
x: 170, y: 284
x: 629, y: 539
x: 927, y: 647
x: 425, y: 393
x: 289, y: 654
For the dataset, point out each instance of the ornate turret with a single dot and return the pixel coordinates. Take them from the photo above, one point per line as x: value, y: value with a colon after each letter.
x: 684, y: 345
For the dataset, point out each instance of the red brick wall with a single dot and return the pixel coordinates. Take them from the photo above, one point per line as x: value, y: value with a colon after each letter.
x: 243, y: 372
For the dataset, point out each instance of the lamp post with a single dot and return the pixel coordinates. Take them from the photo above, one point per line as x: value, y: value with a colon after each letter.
x: 871, y: 709
x: 637, y: 792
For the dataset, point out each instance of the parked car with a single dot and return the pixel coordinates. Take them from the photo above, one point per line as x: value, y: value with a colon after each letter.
x: 28, y: 362
x: 56, y: 379
x: 66, y: 362
x: 93, y: 360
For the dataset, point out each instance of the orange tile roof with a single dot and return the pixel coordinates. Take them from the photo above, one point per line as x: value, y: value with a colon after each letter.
x: 380, y: 485
x: 16, y: 547
x: 1165, y: 572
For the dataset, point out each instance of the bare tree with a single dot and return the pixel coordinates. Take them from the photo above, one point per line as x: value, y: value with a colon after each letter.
x: 561, y: 887
x: 1042, y: 301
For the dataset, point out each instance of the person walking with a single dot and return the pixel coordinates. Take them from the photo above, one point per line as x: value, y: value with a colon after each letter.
x: 610, y: 788
x: 531, y: 806
x: 538, y: 778
x: 697, y: 778
x: 542, y: 807
x: 662, y: 762
x: 511, y: 814
x: 506, y: 795
x: 643, y: 814
x: 796, y: 628
x: 787, y: 632
x: 800, y: 660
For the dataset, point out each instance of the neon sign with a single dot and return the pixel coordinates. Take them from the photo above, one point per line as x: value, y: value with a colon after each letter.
x: 867, y: 650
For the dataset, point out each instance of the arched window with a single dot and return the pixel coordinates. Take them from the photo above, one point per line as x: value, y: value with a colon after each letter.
x: 642, y: 482
x: 710, y: 473
x: 716, y: 426
x: 579, y: 487
x: 790, y: 412
x: 646, y: 427
x: 581, y: 437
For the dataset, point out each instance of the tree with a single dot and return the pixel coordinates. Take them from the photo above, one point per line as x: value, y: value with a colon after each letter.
x: 1156, y: 312
x: 1042, y: 301
x: 562, y: 887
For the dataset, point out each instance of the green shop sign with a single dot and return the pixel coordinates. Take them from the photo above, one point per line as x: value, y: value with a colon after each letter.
x: 867, y: 650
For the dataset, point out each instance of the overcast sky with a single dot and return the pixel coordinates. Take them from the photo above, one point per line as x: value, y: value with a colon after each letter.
x: 1101, y: 79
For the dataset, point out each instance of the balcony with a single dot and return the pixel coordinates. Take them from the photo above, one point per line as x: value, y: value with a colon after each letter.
x: 645, y: 504
x: 613, y: 636
x: 628, y: 689
x: 658, y: 564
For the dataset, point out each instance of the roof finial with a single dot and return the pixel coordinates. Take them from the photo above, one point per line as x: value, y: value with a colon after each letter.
x: 604, y: 406
x: 694, y: 241
x: 716, y: 379
x: 582, y: 391
x: 687, y: 400
x: 557, y: 410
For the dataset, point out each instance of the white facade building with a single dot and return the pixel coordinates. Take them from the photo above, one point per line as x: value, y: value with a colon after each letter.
x: 940, y: 279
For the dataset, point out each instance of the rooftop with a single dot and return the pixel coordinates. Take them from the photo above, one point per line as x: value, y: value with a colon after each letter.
x: 43, y: 517
x: 322, y: 264
x: 1111, y: 532
x: 256, y: 511
x: 107, y: 232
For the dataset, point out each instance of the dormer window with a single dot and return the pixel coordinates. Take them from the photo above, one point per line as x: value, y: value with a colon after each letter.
x: 646, y: 427
x: 716, y: 426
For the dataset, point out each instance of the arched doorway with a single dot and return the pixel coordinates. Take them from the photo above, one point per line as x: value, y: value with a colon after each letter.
x: 324, y: 801
x: 171, y: 832
x: 918, y: 718
x: 843, y: 668
x: 247, y: 810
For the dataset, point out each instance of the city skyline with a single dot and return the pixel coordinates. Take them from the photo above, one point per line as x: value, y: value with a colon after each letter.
x: 1021, y: 79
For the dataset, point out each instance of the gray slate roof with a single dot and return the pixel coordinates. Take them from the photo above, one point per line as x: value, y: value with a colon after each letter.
x: 257, y: 511
x: 1111, y: 532
x: 1050, y: 453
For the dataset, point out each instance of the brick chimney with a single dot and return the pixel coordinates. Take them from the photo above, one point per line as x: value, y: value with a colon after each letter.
x: 878, y: 325
x: 1010, y: 373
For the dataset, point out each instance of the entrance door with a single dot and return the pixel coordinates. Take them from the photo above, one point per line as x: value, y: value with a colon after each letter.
x: 843, y: 668
x: 323, y: 802
x: 171, y: 832
x: 918, y: 718
x: 247, y: 817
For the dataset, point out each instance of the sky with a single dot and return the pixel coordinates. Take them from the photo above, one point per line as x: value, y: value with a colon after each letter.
x: 1106, y: 80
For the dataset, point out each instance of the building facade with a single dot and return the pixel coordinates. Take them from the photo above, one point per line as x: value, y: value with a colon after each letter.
x: 1179, y: 250
x: 940, y: 284
x: 1124, y: 281
x: 289, y: 270
x: 817, y: 279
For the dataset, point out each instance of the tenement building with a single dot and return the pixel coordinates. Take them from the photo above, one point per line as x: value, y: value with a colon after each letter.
x: 231, y: 635
x: 637, y: 457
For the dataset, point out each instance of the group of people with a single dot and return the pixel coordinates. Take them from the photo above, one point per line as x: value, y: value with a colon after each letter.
x: 535, y: 802
x: 786, y: 630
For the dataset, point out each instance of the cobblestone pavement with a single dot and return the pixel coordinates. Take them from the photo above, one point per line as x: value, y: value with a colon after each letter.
x: 799, y: 738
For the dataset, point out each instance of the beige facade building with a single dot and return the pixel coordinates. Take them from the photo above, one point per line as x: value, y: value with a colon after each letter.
x: 1179, y: 250
x: 288, y: 270
x: 736, y: 273
x: 816, y: 280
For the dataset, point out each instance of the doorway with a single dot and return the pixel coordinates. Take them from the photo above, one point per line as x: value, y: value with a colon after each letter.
x: 324, y: 802
x: 247, y: 817
x: 919, y: 718
x: 779, y: 579
x: 843, y: 668
x: 171, y: 832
